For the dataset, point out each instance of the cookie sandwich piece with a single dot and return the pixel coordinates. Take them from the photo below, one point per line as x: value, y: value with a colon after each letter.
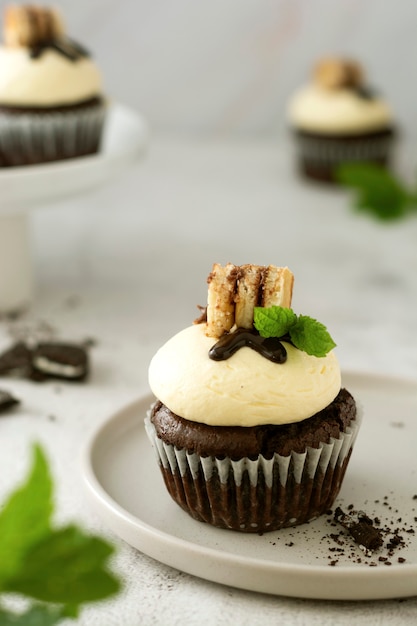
x: 251, y: 427
x: 337, y: 118
x: 45, y: 360
x: 52, y: 105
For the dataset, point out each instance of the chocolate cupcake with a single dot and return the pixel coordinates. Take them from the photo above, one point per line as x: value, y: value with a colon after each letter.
x: 51, y: 101
x: 251, y: 427
x: 338, y: 119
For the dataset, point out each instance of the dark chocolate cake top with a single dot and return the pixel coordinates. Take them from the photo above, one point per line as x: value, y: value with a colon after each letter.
x: 240, y: 441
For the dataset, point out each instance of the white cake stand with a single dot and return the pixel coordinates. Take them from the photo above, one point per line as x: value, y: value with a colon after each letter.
x: 23, y: 189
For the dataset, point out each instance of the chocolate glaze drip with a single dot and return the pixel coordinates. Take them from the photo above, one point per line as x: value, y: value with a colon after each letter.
x: 269, y: 347
x: 365, y: 92
x: 68, y: 48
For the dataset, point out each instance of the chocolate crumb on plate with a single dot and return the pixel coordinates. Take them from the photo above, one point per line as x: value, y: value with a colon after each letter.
x: 361, y: 529
x: 7, y: 401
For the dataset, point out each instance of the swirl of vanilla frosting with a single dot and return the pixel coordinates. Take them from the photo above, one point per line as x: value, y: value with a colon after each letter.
x: 337, y: 111
x: 48, y: 80
x: 246, y: 389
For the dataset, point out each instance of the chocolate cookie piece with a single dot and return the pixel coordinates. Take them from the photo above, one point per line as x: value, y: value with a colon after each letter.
x: 16, y: 361
x: 362, y: 529
x: 7, y: 401
x: 60, y: 360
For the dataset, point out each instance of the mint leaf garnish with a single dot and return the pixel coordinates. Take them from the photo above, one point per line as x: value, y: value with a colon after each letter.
x: 273, y: 321
x: 306, y: 333
x: 378, y: 192
x: 63, y: 566
x: 311, y: 336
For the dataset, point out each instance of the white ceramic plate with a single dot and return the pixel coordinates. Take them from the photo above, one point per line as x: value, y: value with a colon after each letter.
x: 125, y: 139
x: 128, y: 492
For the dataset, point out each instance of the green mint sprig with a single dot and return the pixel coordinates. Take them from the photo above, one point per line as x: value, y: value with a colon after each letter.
x: 378, y: 192
x: 306, y: 333
x: 63, y: 566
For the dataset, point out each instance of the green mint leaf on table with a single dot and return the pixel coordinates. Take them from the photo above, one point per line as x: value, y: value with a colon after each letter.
x: 378, y: 192
x: 35, y: 616
x: 72, y: 569
x: 306, y: 333
x: 25, y: 518
x: 273, y: 321
x: 64, y: 566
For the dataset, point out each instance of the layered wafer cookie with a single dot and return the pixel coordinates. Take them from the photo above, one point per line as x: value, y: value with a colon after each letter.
x: 221, y: 299
x: 234, y: 292
x: 29, y: 26
x: 334, y: 73
x: 277, y: 286
x: 261, y: 286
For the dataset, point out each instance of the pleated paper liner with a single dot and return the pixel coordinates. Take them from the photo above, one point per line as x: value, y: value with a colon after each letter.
x: 256, y: 495
x: 27, y: 138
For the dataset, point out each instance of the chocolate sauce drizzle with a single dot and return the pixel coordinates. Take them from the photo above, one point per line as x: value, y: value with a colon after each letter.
x: 269, y: 347
x: 68, y: 48
x: 366, y: 93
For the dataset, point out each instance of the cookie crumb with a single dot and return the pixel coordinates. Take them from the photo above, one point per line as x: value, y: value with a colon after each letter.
x: 362, y: 530
x: 7, y: 401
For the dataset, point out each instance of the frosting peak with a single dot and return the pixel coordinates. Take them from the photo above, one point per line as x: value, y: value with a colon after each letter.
x: 345, y: 111
x: 245, y: 390
x: 48, y: 80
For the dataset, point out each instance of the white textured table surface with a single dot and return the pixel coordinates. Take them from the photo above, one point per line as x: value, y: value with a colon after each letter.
x: 127, y: 265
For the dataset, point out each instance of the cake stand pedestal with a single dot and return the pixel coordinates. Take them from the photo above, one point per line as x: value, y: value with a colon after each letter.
x: 16, y: 275
x: 23, y: 189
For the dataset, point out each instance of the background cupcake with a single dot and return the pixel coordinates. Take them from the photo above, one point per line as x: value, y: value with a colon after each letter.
x: 251, y: 433
x: 51, y: 102
x: 338, y: 119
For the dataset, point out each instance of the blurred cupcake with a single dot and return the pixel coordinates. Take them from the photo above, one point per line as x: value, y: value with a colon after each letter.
x: 251, y: 432
x: 338, y: 119
x: 51, y: 101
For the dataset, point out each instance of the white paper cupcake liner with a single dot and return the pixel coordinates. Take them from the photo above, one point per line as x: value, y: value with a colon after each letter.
x: 327, y: 153
x: 27, y: 138
x: 257, y: 495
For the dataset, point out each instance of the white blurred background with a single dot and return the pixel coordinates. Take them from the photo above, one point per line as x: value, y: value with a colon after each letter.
x: 218, y: 183
x: 228, y: 66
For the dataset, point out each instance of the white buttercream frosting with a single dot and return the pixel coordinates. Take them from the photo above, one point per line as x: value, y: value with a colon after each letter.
x: 245, y: 390
x: 49, y: 80
x: 331, y: 111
